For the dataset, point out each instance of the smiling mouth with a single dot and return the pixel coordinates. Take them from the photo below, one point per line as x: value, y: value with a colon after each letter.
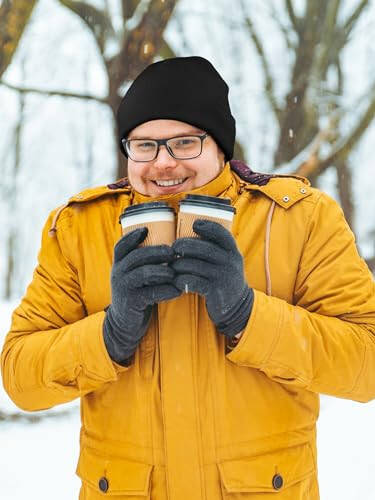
x: 169, y: 182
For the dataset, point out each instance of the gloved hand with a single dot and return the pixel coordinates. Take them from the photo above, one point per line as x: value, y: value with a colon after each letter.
x: 213, y: 267
x: 139, y: 279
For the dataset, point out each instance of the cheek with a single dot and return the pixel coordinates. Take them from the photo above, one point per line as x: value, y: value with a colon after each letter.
x: 211, y: 168
x: 135, y: 174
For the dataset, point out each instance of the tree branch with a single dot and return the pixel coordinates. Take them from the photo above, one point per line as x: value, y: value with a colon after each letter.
x: 345, y: 191
x: 371, y: 263
x: 14, y: 16
x: 54, y: 93
x: 166, y: 51
x: 314, y: 166
x: 350, y: 22
x: 342, y: 150
x: 299, y: 117
x: 292, y: 16
x: 285, y: 30
x: 141, y: 45
x: 97, y: 20
x: 309, y: 167
x: 270, y: 93
x: 128, y: 8
x: 329, y: 48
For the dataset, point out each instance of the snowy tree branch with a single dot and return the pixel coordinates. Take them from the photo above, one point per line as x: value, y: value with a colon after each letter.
x: 97, y: 20
x: 349, y: 24
x: 345, y: 190
x: 330, y: 42
x: 141, y: 45
x: 313, y: 166
x: 269, y: 86
x: 53, y: 93
x: 285, y: 30
x: 343, y: 149
x: 128, y: 8
x: 292, y: 15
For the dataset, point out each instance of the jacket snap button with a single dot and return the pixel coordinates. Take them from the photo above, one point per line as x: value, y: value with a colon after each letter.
x: 277, y: 482
x: 302, y: 190
x: 103, y: 484
x: 286, y: 199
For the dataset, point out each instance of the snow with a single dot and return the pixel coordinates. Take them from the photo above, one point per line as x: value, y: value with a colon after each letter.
x: 37, y: 460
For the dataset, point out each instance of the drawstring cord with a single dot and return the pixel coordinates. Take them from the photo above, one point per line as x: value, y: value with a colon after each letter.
x: 52, y: 229
x: 267, y: 249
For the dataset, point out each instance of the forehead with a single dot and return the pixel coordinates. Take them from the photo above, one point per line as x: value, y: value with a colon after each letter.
x: 158, y: 129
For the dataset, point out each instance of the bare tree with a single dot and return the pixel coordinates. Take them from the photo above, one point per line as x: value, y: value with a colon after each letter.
x: 137, y: 43
x: 11, y: 198
x: 316, y: 40
x: 14, y: 16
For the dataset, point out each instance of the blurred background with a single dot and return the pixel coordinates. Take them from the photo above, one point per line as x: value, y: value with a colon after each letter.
x: 301, y: 75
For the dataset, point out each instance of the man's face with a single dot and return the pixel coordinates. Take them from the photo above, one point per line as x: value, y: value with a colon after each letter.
x: 192, y: 173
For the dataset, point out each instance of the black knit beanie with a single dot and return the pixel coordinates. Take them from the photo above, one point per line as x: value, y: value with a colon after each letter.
x: 187, y: 89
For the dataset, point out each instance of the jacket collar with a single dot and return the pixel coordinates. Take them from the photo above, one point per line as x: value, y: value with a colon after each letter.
x: 285, y: 194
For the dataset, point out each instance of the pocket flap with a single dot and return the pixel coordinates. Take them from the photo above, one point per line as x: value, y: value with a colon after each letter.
x: 262, y: 473
x: 114, y: 476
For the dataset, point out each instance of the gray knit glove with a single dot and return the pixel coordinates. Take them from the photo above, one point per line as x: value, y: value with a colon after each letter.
x: 213, y: 267
x: 139, y: 279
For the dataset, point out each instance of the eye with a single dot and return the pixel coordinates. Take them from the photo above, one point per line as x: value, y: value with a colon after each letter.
x: 184, y: 142
x: 144, y: 145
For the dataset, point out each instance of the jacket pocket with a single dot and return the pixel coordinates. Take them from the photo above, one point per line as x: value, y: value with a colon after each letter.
x: 288, y: 473
x: 117, y: 477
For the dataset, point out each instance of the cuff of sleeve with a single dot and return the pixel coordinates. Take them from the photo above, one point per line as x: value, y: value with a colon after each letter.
x: 125, y: 364
x: 94, y: 355
x: 261, y: 333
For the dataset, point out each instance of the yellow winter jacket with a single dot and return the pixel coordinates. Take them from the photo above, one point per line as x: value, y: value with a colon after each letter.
x: 189, y: 418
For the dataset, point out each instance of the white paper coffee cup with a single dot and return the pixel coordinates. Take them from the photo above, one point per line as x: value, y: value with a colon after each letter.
x: 203, y: 207
x: 157, y: 216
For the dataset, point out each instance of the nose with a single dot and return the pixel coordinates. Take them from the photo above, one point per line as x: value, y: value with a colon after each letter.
x: 164, y: 159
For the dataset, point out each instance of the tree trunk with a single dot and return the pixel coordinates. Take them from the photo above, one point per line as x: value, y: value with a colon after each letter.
x: 344, y: 186
x: 12, y: 235
x: 14, y: 16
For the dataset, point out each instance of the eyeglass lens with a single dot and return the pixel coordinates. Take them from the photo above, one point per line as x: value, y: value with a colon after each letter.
x: 181, y: 148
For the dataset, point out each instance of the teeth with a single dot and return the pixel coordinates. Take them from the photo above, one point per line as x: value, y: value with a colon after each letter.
x: 171, y: 182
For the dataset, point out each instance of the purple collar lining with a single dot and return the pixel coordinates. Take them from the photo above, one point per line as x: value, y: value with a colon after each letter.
x: 245, y: 172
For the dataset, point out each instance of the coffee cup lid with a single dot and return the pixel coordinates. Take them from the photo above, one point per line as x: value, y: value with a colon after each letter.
x: 201, y: 197
x: 208, y: 201
x: 146, y: 207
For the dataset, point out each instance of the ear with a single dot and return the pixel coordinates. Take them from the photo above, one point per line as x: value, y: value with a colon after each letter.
x: 221, y: 158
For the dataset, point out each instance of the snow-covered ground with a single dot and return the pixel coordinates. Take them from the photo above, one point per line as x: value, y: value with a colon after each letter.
x: 38, y: 460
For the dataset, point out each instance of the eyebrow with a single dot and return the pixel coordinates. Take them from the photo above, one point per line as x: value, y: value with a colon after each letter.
x: 181, y: 134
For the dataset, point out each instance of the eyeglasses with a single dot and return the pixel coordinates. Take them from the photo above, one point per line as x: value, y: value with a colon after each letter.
x: 183, y: 147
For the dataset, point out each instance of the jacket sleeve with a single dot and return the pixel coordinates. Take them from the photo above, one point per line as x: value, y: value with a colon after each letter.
x: 325, y: 341
x: 54, y: 352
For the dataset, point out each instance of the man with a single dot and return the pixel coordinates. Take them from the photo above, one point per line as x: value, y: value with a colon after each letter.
x: 211, y: 394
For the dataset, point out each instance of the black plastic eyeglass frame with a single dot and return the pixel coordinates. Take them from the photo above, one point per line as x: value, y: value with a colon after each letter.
x: 163, y: 142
